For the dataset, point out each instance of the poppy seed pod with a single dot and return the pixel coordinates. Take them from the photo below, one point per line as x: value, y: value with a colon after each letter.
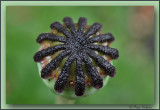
x: 75, y: 59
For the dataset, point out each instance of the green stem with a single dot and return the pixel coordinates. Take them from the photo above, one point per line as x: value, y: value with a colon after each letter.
x: 62, y: 100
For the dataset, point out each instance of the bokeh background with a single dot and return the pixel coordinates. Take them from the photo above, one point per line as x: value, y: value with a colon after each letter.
x: 132, y: 27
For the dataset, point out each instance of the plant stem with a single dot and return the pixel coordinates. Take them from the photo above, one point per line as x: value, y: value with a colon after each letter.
x: 62, y: 100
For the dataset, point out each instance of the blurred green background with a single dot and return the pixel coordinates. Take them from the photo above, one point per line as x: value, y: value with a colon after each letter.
x: 132, y: 27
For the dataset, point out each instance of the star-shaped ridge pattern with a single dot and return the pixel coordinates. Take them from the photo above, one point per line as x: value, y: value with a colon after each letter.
x: 79, y: 46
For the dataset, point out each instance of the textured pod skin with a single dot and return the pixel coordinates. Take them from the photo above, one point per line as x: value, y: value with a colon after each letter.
x: 69, y: 92
x: 48, y: 51
x: 102, y: 38
x: 80, y: 78
x: 54, y: 64
x: 51, y: 37
x: 74, y: 56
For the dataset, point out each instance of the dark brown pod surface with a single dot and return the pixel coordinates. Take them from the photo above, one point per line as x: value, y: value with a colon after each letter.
x: 79, y: 48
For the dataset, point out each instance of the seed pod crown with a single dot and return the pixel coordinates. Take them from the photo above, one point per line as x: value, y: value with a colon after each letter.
x: 79, y: 44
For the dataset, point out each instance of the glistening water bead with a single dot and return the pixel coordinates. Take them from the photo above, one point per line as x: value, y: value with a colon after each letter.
x: 78, y: 44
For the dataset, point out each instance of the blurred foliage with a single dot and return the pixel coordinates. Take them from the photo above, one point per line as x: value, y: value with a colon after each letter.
x: 133, y: 83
